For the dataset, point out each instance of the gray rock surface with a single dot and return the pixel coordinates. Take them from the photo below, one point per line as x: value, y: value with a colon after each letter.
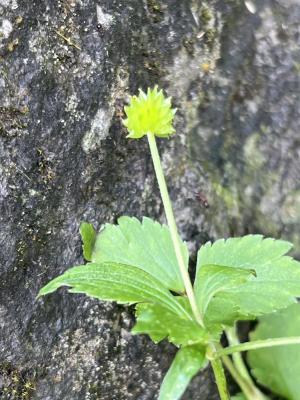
x: 66, y: 69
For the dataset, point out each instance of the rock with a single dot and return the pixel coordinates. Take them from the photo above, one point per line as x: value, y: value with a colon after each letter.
x: 66, y: 70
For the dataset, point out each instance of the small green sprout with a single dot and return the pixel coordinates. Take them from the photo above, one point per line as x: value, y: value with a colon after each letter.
x: 149, y: 113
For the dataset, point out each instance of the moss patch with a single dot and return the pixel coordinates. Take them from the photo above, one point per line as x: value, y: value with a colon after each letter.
x: 12, y: 121
x: 155, y: 9
x: 15, y: 384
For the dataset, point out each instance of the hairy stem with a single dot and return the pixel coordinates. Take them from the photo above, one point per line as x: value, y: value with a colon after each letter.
x: 172, y: 226
x: 258, y: 344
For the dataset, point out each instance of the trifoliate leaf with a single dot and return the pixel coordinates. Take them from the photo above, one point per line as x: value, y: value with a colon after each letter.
x: 213, y: 279
x: 187, y: 362
x: 277, y: 280
x: 146, y: 245
x: 161, y: 323
x: 88, y: 235
x: 149, y: 113
x: 115, y: 282
x: 278, y: 368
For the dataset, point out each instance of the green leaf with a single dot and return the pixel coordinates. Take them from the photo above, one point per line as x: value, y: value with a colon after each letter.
x: 146, y: 245
x: 278, y: 368
x: 248, y: 251
x: 241, y: 396
x: 238, y: 396
x: 161, y: 323
x: 222, y: 312
x: 115, y: 282
x: 187, y: 362
x: 213, y: 279
x: 277, y: 281
x: 88, y: 236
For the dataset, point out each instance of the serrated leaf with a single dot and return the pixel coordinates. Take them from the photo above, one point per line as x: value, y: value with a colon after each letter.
x: 88, y: 236
x: 278, y: 368
x: 146, y: 245
x: 187, y: 362
x: 248, y: 251
x: 115, y: 282
x: 161, y: 323
x: 278, y: 277
x: 213, y: 279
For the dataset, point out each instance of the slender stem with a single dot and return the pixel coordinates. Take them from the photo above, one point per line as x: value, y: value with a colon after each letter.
x: 218, y: 372
x: 220, y: 379
x: 172, y: 226
x: 240, y: 365
x: 237, y: 357
x: 258, y: 344
x: 238, y: 378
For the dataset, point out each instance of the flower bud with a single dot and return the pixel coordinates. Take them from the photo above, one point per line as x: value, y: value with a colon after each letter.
x: 149, y: 113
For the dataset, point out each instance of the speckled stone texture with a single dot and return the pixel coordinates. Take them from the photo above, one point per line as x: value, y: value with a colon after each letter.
x: 66, y: 69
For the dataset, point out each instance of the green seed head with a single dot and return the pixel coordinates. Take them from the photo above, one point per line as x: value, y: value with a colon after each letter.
x: 149, y: 113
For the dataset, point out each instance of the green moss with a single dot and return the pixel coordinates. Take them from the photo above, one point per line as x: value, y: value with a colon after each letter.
x: 206, y: 15
x: 44, y: 168
x: 15, y: 384
x: 210, y: 35
x: 297, y: 67
x: 155, y: 10
x: 12, y: 121
x: 207, y: 19
x: 11, y: 46
x: 154, y: 67
x: 226, y: 195
x: 189, y: 43
x: 253, y: 156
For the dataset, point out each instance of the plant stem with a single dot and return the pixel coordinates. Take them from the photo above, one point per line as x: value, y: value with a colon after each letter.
x: 240, y: 380
x: 237, y: 358
x: 215, y: 362
x: 219, y: 373
x: 258, y: 344
x: 240, y: 365
x: 173, y: 227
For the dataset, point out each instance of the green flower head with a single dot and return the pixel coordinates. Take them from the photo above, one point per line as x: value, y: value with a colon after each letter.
x: 149, y: 113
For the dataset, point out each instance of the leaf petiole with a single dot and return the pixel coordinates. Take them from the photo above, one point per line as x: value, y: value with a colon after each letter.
x: 237, y: 357
x: 257, y: 344
x: 251, y: 393
x: 255, y: 393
